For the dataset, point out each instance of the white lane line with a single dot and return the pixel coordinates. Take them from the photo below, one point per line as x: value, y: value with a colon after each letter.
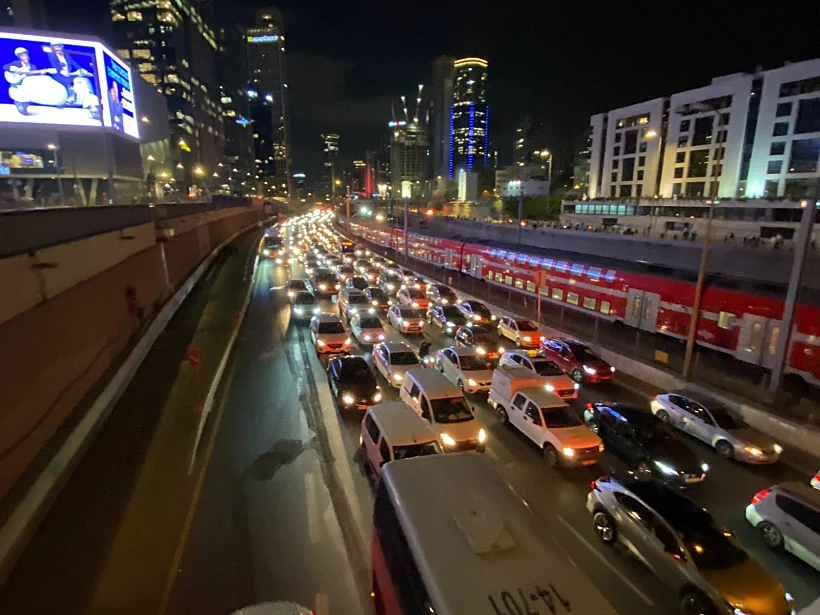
x: 314, y: 524
x: 322, y: 604
x: 606, y: 562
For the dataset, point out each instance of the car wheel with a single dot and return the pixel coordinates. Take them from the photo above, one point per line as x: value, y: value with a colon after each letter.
x: 604, y: 527
x: 502, y: 416
x: 593, y: 425
x: 517, y: 340
x: 663, y: 416
x: 551, y: 456
x: 695, y: 603
x: 724, y: 449
x: 771, y: 536
x: 577, y: 376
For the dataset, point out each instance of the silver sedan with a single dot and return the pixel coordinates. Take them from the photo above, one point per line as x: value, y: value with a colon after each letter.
x: 714, y: 424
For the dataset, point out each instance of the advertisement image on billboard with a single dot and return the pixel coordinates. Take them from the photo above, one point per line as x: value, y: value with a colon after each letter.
x: 62, y: 81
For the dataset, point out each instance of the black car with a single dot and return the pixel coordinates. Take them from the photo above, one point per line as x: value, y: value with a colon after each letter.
x: 390, y: 283
x: 481, y: 338
x: 303, y: 306
x: 377, y: 297
x: 325, y: 282
x: 477, y: 312
x: 644, y: 444
x: 352, y: 383
x: 439, y: 293
x: 448, y: 317
x: 357, y: 282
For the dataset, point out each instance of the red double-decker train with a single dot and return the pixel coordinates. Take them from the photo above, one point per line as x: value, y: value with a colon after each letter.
x: 737, y: 321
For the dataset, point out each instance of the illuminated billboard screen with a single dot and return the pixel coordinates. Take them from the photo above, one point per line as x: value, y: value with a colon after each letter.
x: 59, y: 81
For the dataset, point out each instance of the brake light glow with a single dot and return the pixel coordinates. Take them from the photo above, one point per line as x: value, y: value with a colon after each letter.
x: 759, y: 496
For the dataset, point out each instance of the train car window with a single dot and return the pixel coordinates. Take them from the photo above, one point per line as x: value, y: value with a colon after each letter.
x: 498, y: 277
x: 573, y: 298
x: 594, y: 273
x: 519, y: 283
x: 508, y: 280
x: 610, y: 275
x: 558, y: 294
x: 726, y: 320
x: 605, y: 307
x: 489, y: 275
x: 590, y: 303
x: 531, y: 286
x: 577, y: 269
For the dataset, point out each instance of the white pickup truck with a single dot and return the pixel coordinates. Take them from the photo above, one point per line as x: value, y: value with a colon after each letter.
x: 520, y: 398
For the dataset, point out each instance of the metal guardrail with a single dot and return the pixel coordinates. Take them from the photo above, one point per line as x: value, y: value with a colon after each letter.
x: 28, y: 230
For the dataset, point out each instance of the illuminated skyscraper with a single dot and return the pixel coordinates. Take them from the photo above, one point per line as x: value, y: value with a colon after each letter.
x: 469, y: 117
x: 330, y: 162
x: 441, y: 107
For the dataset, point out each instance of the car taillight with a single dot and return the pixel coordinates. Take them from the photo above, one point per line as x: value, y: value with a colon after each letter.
x: 592, y: 485
x: 589, y: 406
x: 759, y: 496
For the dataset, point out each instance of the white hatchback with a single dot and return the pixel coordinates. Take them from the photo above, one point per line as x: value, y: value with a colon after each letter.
x: 367, y: 329
x: 328, y: 334
x: 393, y: 359
x: 466, y: 368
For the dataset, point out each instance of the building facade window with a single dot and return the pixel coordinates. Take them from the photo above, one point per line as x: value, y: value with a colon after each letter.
x: 618, y: 136
x: 631, y: 142
x: 804, y: 156
x: 695, y: 189
x: 698, y: 163
x: 684, y: 125
x: 678, y: 172
x: 778, y: 148
x: 772, y: 186
x: 808, y: 116
x: 639, y: 175
x: 702, y: 134
x: 783, y: 109
x: 626, y: 191
x: 628, y: 170
x: 676, y: 189
x: 774, y: 167
x: 642, y: 147
x: 780, y: 129
x: 639, y: 189
x: 616, y: 151
x: 683, y: 141
x: 680, y: 157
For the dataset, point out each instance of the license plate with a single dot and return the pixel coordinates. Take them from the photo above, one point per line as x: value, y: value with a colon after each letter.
x: 532, y: 353
x: 692, y: 479
x: 588, y: 462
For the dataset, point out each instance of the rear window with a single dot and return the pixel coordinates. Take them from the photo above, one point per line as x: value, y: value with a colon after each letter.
x: 558, y: 418
x: 416, y: 450
x: 526, y: 325
x: 331, y: 327
x: 378, y: 293
x: 371, y: 323
x: 414, y: 293
x: 357, y: 299
x: 304, y: 298
x: 451, y: 410
x: 547, y: 368
x: 403, y: 358
x: 412, y: 313
x: 480, y: 309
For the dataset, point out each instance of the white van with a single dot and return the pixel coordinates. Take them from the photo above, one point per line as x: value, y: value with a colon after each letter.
x: 444, y: 407
x: 394, y: 431
x: 521, y: 399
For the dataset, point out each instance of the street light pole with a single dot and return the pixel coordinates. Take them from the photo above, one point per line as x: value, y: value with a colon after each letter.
x: 520, y: 207
x: 693, y: 321
x: 56, y: 150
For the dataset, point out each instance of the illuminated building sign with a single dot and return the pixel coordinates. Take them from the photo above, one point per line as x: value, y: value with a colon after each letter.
x: 266, y: 38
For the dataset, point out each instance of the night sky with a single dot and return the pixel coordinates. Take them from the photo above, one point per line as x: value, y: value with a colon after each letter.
x: 559, y: 61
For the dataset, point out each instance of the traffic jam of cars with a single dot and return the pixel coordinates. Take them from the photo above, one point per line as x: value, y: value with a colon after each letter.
x: 531, y: 380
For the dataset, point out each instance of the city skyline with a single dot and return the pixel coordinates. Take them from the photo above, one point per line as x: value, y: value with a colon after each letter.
x: 549, y: 64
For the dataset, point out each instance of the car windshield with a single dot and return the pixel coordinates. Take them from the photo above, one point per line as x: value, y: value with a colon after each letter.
x: 582, y: 353
x: 377, y: 294
x: 727, y: 420
x: 470, y: 363
x: 445, y: 291
x: 481, y: 310
x: 415, y: 293
x: 304, y: 298
x: 346, y: 269
x: 416, y: 450
x: 404, y: 357
x: 357, y: 299
x: 411, y: 313
x: 545, y: 367
x: 451, y: 410
x: 371, y: 323
x: 331, y: 327
x: 355, y: 370
x: 297, y: 285
x: 653, y: 430
x: 526, y: 325
x: 558, y: 418
x: 480, y: 336
x: 452, y: 312
x: 712, y: 547
x: 273, y: 242
x: 359, y: 283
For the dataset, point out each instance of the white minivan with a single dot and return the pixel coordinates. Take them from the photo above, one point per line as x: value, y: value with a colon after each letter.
x: 444, y: 407
x: 394, y: 431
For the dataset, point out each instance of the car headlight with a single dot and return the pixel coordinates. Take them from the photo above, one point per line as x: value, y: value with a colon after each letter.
x: 352, y: 308
x: 391, y: 286
x: 754, y: 451
x: 398, y: 377
x: 476, y: 317
x: 347, y: 341
x: 472, y: 382
x: 415, y: 304
x: 266, y: 252
x: 600, y: 448
x: 367, y: 338
x: 704, y: 467
x: 320, y: 343
x: 527, y: 338
x: 502, y: 350
x: 444, y: 301
x: 421, y: 323
x: 481, y: 351
x: 549, y: 388
x: 374, y: 303
x: 371, y: 311
x: 589, y: 370
x: 338, y: 287
x: 612, y: 369
x: 669, y: 471
x: 377, y: 397
x: 291, y: 293
x: 576, y: 386
x: 568, y: 452
x: 447, y: 440
x: 450, y: 325
x: 778, y: 449
x: 381, y: 337
x: 482, y: 436
x: 347, y: 399
x: 405, y: 323
x: 299, y: 310
x: 316, y: 310
x: 278, y: 261
x: 322, y: 286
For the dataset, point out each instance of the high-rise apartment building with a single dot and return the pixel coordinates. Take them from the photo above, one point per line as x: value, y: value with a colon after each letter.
x: 268, y: 95
x: 326, y: 186
x: 469, y: 117
x: 441, y: 105
x: 27, y: 14
x: 173, y: 47
x: 744, y: 135
x: 409, y: 147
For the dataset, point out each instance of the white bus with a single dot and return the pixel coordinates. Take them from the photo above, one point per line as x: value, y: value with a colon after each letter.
x: 451, y: 537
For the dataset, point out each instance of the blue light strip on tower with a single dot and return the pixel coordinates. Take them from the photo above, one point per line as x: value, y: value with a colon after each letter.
x: 471, y: 138
x: 486, y: 135
x: 452, y: 111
